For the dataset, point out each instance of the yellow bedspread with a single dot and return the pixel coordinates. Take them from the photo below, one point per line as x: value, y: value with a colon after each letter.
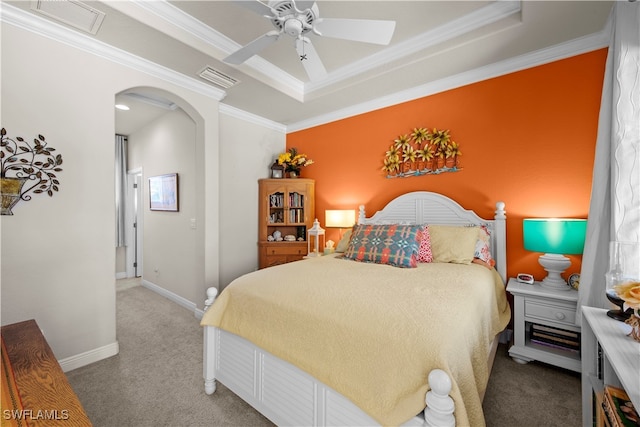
x: 374, y: 332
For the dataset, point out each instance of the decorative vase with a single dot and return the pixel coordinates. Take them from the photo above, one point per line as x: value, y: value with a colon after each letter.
x: 294, y: 174
x: 10, y: 190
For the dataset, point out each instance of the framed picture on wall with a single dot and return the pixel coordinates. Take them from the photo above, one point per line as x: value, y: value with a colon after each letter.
x: 163, y: 192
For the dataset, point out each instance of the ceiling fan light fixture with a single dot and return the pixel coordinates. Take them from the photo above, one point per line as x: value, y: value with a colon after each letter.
x: 293, y: 27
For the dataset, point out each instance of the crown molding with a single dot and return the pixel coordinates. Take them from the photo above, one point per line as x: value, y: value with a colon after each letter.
x: 43, y: 27
x: 571, y: 48
x: 252, y: 118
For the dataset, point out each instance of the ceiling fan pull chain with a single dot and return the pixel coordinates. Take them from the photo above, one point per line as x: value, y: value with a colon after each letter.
x: 303, y: 56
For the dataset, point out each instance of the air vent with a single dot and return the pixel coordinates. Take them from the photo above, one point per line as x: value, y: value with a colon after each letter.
x: 71, y: 12
x: 218, y: 77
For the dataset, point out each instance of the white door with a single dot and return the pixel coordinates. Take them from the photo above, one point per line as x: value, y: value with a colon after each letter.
x: 134, y: 223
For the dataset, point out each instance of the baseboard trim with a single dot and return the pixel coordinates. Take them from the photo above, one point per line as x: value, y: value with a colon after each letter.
x: 121, y: 275
x: 88, y: 357
x: 183, y: 302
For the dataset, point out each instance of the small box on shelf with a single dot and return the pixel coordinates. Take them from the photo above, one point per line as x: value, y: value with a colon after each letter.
x: 618, y: 408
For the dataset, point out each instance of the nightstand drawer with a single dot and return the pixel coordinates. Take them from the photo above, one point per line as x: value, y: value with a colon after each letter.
x: 287, y: 250
x: 554, y: 312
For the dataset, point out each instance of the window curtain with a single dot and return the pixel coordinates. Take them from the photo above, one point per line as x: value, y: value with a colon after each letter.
x: 614, y: 212
x: 121, y: 189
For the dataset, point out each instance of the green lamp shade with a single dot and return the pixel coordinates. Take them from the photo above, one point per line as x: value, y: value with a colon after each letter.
x: 554, y: 236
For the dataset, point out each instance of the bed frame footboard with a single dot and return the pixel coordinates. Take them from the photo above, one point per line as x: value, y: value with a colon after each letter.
x: 325, y: 406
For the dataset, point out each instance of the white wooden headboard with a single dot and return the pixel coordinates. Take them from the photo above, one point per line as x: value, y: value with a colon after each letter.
x: 424, y: 207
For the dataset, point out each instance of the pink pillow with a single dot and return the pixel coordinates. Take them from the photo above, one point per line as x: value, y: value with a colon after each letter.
x: 424, y: 252
x: 483, y: 252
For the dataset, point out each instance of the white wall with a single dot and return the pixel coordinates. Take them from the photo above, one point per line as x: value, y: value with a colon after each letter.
x: 58, y: 254
x: 247, y: 151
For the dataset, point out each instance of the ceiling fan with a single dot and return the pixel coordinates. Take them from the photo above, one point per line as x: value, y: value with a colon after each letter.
x: 297, y: 19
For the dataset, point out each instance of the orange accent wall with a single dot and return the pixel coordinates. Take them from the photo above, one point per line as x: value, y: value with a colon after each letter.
x: 527, y: 138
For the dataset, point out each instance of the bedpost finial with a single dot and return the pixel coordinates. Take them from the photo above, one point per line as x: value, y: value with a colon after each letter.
x: 439, y: 382
x: 500, y: 212
x: 212, y: 293
x: 440, y: 406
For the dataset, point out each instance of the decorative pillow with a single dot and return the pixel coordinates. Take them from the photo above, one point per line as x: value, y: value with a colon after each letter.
x: 394, y: 244
x: 424, y: 252
x: 344, y: 242
x: 452, y: 243
x: 483, y: 251
x: 482, y: 263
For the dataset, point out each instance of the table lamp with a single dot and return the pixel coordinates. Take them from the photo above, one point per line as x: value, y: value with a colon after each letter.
x: 339, y: 219
x: 555, y: 237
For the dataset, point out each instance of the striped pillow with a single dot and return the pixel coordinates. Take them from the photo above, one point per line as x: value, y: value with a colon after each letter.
x: 391, y: 244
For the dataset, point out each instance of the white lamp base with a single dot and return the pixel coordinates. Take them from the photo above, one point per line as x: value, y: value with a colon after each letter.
x: 555, y: 265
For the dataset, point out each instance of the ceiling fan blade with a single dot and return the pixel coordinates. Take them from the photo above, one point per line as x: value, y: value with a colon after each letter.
x: 255, y: 5
x: 360, y: 30
x: 304, y: 4
x: 310, y: 59
x: 253, y: 48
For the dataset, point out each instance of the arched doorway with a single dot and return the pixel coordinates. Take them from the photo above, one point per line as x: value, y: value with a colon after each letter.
x: 164, y: 135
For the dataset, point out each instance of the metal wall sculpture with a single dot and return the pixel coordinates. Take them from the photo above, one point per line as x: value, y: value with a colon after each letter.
x: 26, y: 168
x: 422, y: 152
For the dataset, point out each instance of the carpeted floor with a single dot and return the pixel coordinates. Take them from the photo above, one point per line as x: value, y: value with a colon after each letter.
x: 156, y: 379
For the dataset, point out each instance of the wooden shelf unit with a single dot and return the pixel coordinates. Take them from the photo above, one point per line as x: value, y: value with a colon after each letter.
x: 287, y: 206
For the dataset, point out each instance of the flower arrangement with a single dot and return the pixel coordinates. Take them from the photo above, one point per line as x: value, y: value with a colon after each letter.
x: 293, y: 161
x: 629, y: 292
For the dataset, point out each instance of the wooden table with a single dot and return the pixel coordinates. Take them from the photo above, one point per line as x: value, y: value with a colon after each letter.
x: 45, y: 393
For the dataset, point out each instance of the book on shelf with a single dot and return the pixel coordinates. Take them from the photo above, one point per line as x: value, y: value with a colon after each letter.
x: 555, y: 331
x: 555, y: 340
x: 553, y: 345
x: 600, y: 363
x: 618, y: 408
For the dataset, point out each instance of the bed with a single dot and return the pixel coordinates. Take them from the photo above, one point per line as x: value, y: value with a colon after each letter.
x: 333, y: 341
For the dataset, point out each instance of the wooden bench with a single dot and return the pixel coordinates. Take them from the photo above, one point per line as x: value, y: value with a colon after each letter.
x: 41, y: 394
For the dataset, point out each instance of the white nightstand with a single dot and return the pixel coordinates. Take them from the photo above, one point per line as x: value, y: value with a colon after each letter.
x: 544, y: 325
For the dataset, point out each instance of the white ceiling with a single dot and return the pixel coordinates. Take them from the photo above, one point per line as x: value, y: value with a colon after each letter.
x: 436, y: 45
